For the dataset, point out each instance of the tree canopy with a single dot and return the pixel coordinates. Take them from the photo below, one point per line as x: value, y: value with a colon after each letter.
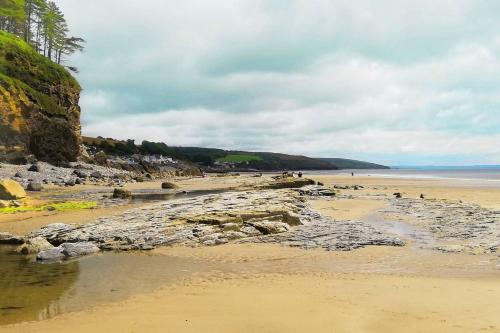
x: 41, y: 24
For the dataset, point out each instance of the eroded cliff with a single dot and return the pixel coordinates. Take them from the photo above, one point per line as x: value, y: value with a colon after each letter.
x: 39, y: 112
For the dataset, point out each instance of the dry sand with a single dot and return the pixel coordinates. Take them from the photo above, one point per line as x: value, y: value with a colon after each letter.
x: 280, y: 289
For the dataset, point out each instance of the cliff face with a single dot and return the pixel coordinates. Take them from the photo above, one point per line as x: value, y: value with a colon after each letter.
x: 39, y: 112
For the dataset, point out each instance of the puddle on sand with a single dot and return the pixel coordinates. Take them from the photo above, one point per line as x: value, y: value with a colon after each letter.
x: 33, y: 291
x: 419, y: 238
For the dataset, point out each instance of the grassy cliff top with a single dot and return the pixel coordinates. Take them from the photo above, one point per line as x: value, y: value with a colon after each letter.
x: 20, y: 61
x: 22, y: 68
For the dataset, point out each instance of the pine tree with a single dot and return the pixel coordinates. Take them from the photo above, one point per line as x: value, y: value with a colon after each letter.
x: 41, y: 24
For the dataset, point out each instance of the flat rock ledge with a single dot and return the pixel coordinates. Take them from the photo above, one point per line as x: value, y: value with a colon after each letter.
x: 259, y: 216
x: 456, y: 226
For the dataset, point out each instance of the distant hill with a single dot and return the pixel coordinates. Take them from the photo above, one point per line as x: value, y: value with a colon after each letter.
x: 211, y: 157
x: 343, y: 163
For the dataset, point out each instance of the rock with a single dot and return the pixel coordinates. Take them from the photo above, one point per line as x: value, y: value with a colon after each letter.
x: 231, y: 227
x: 78, y: 181
x: 121, y: 193
x: 288, y: 182
x: 6, y: 238
x: 96, y: 174
x: 34, y: 168
x: 11, y: 190
x: 70, y: 182
x: 270, y: 227
x: 52, y: 254
x: 81, y: 173
x: 316, y: 191
x: 5, y: 203
x: 78, y: 249
x: 168, y: 185
x: 34, y: 245
x: 139, y: 179
x: 35, y: 187
x: 101, y: 158
x: 398, y: 195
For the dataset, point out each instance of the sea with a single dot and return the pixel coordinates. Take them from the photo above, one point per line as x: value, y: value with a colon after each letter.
x: 489, y: 176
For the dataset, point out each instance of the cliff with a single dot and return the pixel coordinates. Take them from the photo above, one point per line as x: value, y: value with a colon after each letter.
x: 39, y: 112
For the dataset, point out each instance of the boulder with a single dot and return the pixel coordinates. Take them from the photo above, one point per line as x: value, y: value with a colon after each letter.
x: 168, y: 186
x: 11, y: 190
x: 6, y: 238
x: 96, y: 174
x: 81, y: 173
x: 34, y: 245
x: 121, y: 193
x: 34, y: 168
x: 139, y: 179
x: 70, y: 182
x: 35, y: 187
x: 5, y: 203
x: 78, y: 249
x: 53, y: 254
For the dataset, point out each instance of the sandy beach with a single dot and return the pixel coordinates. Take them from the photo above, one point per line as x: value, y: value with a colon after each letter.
x: 273, y: 288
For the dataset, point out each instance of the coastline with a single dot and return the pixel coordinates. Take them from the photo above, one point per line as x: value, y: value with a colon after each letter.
x: 274, y: 288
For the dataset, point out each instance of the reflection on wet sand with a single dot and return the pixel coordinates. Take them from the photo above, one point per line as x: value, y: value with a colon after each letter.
x: 33, y: 291
x: 30, y: 290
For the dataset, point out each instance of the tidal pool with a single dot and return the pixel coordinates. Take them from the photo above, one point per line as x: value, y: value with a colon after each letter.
x: 33, y: 291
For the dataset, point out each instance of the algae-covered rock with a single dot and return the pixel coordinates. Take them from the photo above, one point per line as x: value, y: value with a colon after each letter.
x: 168, y: 185
x: 11, y: 190
x: 121, y: 193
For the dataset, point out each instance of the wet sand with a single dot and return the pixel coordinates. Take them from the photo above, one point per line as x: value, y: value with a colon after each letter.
x: 271, y: 288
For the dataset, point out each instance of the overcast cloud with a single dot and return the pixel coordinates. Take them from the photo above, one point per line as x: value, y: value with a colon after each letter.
x: 396, y: 82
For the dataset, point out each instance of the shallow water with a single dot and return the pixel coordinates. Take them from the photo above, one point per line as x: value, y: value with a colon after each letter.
x: 34, y: 291
x: 480, y: 176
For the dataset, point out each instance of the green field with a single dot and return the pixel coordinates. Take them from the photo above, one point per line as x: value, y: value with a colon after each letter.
x: 239, y: 158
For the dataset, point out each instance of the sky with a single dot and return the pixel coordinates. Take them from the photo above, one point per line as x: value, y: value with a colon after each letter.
x: 410, y: 82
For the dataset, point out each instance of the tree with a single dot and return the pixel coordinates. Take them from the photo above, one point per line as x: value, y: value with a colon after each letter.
x: 41, y: 24
x: 12, y: 15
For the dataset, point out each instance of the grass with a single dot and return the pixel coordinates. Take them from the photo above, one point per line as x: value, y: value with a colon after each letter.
x: 22, y: 69
x: 238, y: 158
x: 59, y: 207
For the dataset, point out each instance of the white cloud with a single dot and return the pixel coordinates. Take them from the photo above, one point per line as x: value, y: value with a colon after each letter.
x: 350, y: 78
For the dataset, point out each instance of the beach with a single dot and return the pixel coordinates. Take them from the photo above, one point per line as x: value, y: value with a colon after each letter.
x: 436, y: 282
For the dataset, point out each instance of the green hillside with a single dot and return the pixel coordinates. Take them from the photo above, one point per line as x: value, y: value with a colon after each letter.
x: 343, y: 163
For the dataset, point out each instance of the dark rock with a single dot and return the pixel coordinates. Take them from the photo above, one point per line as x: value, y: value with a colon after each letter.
x: 168, y: 185
x: 70, y: 182
x: 6, y: 238
x: 398, y: 195
x: 34, y: 168
x: 121, y: 193
x: 35, y: 187
x: 81, y: 173
x: 96, y: 174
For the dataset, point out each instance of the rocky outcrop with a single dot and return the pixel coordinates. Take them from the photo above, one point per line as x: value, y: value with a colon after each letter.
x: 39, y: 112
x: 271, y: 216
x: 11, y: 190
